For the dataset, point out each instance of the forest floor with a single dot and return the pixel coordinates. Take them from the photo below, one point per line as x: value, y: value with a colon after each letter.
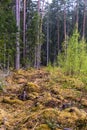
x: 44, y: 99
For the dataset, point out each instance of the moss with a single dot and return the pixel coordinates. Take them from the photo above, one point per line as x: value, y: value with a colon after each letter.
x: 66, y: 119
x: 50, y: 113
x: 32, y: 87
x: 9, y: 101
x: 24, y: 129
x: 53, y: 103
x: 84, y: 102
x: 29, y: 88
x: 81, y: 114
x: 43, y: 127
x: 33, y: 95
x: 38, y: 111
x: 58, y: 129
x: 21, y: 72
x: 22, y: 81
x: 38, y: 107
x: 45, y: 97
x: 81, y: 124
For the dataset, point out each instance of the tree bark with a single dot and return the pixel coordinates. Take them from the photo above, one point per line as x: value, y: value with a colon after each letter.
x: 48, y: 37
x: 65, y: 36
x: 17, y: 66
x: 58, y: 36
x: 4, y: 53
x: 84, y: 20
x: 38, y: 47
x: 24, y: 30
x: 77, y: 13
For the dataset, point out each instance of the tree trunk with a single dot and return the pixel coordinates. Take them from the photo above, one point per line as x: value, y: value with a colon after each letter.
x: 84, y: 20
x: 17, y: 66
x: 35, y: 57
x: 24, y: 30
x: 38, y: 47
x: 4, y: 53
x: 77, y: 13
x: 48, y: 38
x: 58, y: 36
x: 65, y: 36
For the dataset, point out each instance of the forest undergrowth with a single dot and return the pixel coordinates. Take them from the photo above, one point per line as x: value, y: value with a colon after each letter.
x: 44, y: 99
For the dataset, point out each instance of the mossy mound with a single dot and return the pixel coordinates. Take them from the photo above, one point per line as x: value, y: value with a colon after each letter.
x: 66, y: 118
x: 12, y: 101
x: 29, y: 87
x: 22, y: 81
x: 28, y: 91
x: 33, y: 95
x: 42, y: 127
x: 32, y: 87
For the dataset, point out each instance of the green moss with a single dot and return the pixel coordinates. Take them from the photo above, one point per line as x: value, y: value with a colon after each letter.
x: 9, y: 101
x: 33, y: 95
x: 43, y: 127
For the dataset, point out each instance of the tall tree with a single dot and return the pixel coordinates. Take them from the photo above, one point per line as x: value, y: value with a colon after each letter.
x: 84, y: 20
x: 17, y: 65
x: 39, y: 35
x: 77, y: 13
x: 65, y: 35
x: 48, y: 36
x: 24, y: 30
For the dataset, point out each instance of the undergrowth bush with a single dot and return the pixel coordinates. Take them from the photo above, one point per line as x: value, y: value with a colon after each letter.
x: 75, y: 60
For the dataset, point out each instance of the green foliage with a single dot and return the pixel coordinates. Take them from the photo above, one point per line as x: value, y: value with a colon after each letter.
x: 75, y: 61
x: 7, y: 33
x: 50, y: 68
x: 52, y: 124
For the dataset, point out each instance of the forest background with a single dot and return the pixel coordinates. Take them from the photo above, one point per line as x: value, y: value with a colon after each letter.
x: 36, y: 33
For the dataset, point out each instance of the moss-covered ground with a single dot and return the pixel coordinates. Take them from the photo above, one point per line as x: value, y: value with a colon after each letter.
x: 44, y: 99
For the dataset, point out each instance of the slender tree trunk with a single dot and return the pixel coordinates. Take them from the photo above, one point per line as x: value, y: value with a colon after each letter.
x: 58, y: 36
x: 17, y: 66
x: 38, y: 56
x: 24, y: 30
x: 65, y: 23
x: 35, y: 57
x: 8, y: 64
x: 77, y: 14
x: 39, y: 43
x: 39, y: 36
x: 65, y: 36
x: 38, y: 39
x: 84, y: 20
x: 4, y: 53
x: 48, y: 38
